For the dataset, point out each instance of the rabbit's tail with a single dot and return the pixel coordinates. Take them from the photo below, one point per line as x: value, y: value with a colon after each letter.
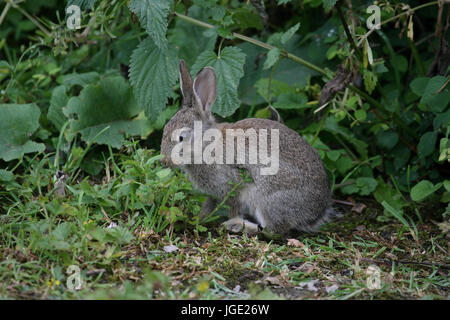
x: 330, y: 213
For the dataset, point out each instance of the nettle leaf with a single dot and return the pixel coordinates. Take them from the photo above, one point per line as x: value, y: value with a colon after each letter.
x: 423, y: 190
x: 435, y: 96
x: 57, y: 103
x: 288, y: 34
x: 17, y: 123
x: 426, y: 144
x: 229, y: 69
x: 272, y: 57
x: 109, y: 103
x: 153, y: 17
x: 153, y: 73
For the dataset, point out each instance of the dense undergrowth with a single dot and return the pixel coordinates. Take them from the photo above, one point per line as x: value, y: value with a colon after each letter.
x: 81, y: 116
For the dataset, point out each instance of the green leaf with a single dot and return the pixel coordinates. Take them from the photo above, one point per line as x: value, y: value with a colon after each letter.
x: 272, y: 57
x: 291, y: 101
x: 360, y: 115
x: 153, y: 73
x: 180, y: 36
x: 229, y: 70
x: 277, y: 88
x: 108, y: 104
x: 398, y: 214
x: 17, y: 124
x: 418, y: 85
x: 333, y: 155
x: 426, y: 144
x: 447, y: 185
x: 366, y: 185
x: 423, y: 189
x: 387, y: 139
x: 81, y: 79
x: 437, y: 102
x: 153, y: 17
x: 57, y: 103
x: 6, y: 175
x: 246, y: 18
x: 329, y: 4
x: 370, y: 80
x: 288, y: 34
x: 400, y: 63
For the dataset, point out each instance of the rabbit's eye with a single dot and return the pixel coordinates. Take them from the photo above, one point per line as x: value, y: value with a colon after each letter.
x: 182, y: 136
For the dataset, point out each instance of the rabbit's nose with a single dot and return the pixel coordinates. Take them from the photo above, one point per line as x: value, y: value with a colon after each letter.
x: 166, y: 161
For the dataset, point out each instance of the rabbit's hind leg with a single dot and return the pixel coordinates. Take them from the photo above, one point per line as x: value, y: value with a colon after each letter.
x: 238, y: 224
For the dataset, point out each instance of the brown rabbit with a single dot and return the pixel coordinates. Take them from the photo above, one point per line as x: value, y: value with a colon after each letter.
x: 296, y: 198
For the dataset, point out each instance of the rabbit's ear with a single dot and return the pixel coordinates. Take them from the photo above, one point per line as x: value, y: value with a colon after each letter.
x: 186, y: 84
x: 205, y: 89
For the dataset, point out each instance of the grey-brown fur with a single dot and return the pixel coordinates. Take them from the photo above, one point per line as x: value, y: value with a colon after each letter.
x: 297, y: 198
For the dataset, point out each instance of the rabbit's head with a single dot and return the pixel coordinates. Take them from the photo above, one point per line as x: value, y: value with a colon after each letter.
x: 198, y: 98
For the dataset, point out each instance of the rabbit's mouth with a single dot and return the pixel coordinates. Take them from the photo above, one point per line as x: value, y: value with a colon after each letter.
x: 166, y: 162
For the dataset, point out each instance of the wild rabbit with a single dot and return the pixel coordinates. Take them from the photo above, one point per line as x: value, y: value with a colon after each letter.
x: 296, y: 198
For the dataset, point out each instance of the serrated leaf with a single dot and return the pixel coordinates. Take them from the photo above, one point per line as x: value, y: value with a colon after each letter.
x: 229, y: 70
x: 153, y: 17
x: 17, y: 123
x: 288, y: 34
x: 57, y: 103
x: 426, y: 144
x: 153, y: 73
x: 423, y: 189
x: 272, y: 57
x: 108, y: 104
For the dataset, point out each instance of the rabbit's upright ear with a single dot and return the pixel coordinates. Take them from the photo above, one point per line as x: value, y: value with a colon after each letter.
x: 205, y: 90
x: 186, y: 84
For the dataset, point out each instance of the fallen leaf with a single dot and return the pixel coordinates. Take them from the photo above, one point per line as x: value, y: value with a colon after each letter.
x: 331, y: 288
x: 170, y: 248
x: 358, y: 207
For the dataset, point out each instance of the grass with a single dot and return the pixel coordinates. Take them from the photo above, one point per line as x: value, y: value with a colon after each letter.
x: 133, y: 232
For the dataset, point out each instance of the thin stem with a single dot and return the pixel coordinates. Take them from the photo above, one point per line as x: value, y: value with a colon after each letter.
x: 348, y: 33
x: 255, y: 42
x: 5, y: 11
x: 27, y: 15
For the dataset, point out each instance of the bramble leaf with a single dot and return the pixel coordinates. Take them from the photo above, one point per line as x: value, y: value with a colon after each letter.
x: 109, y: 103
x: 153, y: 73
x: 229, y: 70
x: 153, y: 17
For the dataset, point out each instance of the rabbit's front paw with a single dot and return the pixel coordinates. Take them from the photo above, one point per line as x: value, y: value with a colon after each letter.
x: 237, y: 225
